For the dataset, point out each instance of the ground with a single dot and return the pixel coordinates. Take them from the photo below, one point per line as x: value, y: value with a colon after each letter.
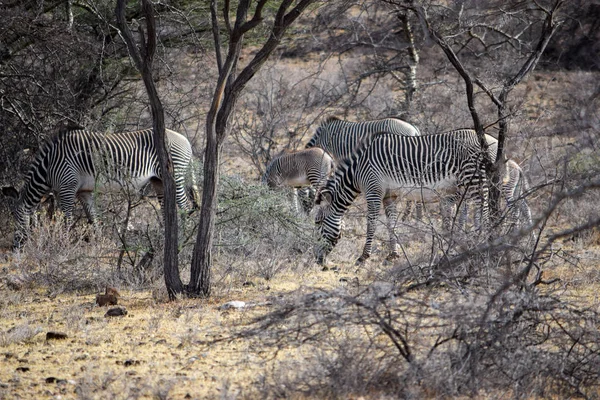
x: 155, y: 351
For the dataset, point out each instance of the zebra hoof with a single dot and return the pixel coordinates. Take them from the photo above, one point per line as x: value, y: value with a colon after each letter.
x: 361, y: 260
x: 392, y: 256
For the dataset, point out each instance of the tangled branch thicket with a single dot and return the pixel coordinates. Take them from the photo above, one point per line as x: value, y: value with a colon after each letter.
x: 492, y: 320
x: 402, y: 340
x: 121, y: 249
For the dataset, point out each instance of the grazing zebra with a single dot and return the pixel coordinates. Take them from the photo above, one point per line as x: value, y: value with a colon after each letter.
x: 448, y: 165
x: 76, y: 164
x: 513, y: 186
x: 309, y: 167
x: 342, y: 138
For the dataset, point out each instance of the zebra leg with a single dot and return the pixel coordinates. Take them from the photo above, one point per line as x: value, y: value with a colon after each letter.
x: 525, y: 212
x: 306, y: 198
x: 482, y: 216
x: 391, y: 214
x: 66, y: 201
x: 447, y: 210
x: 419, y: 206
x: 407, y: 211
x: 87, y: 200
x: 373, y: 207
x: 295, y: 201
x: 157, y: 185
x: 181, y: 194
x: 463, y: 217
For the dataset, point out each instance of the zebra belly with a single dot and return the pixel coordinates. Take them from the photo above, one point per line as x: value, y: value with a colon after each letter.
x: 88, y: 183
x: 430, y: 192
x: 297, y: 181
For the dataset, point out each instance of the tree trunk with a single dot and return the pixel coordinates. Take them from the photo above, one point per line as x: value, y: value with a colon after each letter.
x: 200, y: 280
x: 227, y: 91
x: 143, y: 60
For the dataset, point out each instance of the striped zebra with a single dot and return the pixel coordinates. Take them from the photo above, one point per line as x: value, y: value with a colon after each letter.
x: 342, y: 138
x: 78, y: 163
x: 514, y: 186
x: 309, y: 167
x: 421, y: 168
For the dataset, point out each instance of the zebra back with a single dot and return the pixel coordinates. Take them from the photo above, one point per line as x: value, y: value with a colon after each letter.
x: 341, y: 138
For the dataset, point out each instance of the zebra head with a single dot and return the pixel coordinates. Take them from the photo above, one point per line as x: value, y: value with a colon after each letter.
x: 328, y: 222
x: 22, y: 218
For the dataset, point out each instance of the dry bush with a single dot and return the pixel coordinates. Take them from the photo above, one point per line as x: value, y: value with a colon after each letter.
x: 435, y: 342
x: 63, y: 258
x: 258, y: 234
x: 443, y: 321
x: 19, y: 334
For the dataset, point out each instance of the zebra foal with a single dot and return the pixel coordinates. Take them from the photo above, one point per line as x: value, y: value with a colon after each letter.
x: 309, y: 167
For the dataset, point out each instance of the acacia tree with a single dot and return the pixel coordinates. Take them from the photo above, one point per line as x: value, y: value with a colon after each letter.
x: 523, y: 29
x: 228, y: 89
x: 143, y: 57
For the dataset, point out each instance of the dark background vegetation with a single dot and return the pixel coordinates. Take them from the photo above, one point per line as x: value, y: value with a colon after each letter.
x: 453, y: 317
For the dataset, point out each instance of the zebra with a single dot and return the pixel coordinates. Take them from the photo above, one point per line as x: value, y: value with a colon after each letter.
x: 449, y: 165
x: 513, y: 186
x: 309, y: 167
x: 341, y: 139
x: 78, y: 163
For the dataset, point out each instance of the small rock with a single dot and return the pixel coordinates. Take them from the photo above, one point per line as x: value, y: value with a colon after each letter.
x: 112, y: 291
x: 116, y: 312
x: 233, y: 304
x: 249, y: 284
x: 50, y: 379
x: 129, y: 363
x: 106, y: 300
x: 56, y: 336
x: 23, y: 369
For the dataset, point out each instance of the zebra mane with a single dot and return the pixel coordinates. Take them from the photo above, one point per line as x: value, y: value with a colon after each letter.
x: 331, y: 118
x: 347, y: 162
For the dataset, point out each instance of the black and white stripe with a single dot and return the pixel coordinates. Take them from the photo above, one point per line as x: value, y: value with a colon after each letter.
x: 300, y: 169
x: 76, y: 164
x: 341, y: 138
x: 448, y: 165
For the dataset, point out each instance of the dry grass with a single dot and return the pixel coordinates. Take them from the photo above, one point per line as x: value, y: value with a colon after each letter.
x: 155, y: 351
x: 172, y: 350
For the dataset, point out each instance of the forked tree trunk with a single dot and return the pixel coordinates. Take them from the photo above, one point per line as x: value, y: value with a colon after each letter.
x: 143, y: 58
x: 228, y: 89
x: 550, y: 26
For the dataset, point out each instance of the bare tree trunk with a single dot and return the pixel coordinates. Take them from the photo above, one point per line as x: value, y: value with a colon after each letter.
x: 143, y: 58
x: 69, y: 12
x: 200, y: 280
x: 229, y: 88
x: 410, y: 75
